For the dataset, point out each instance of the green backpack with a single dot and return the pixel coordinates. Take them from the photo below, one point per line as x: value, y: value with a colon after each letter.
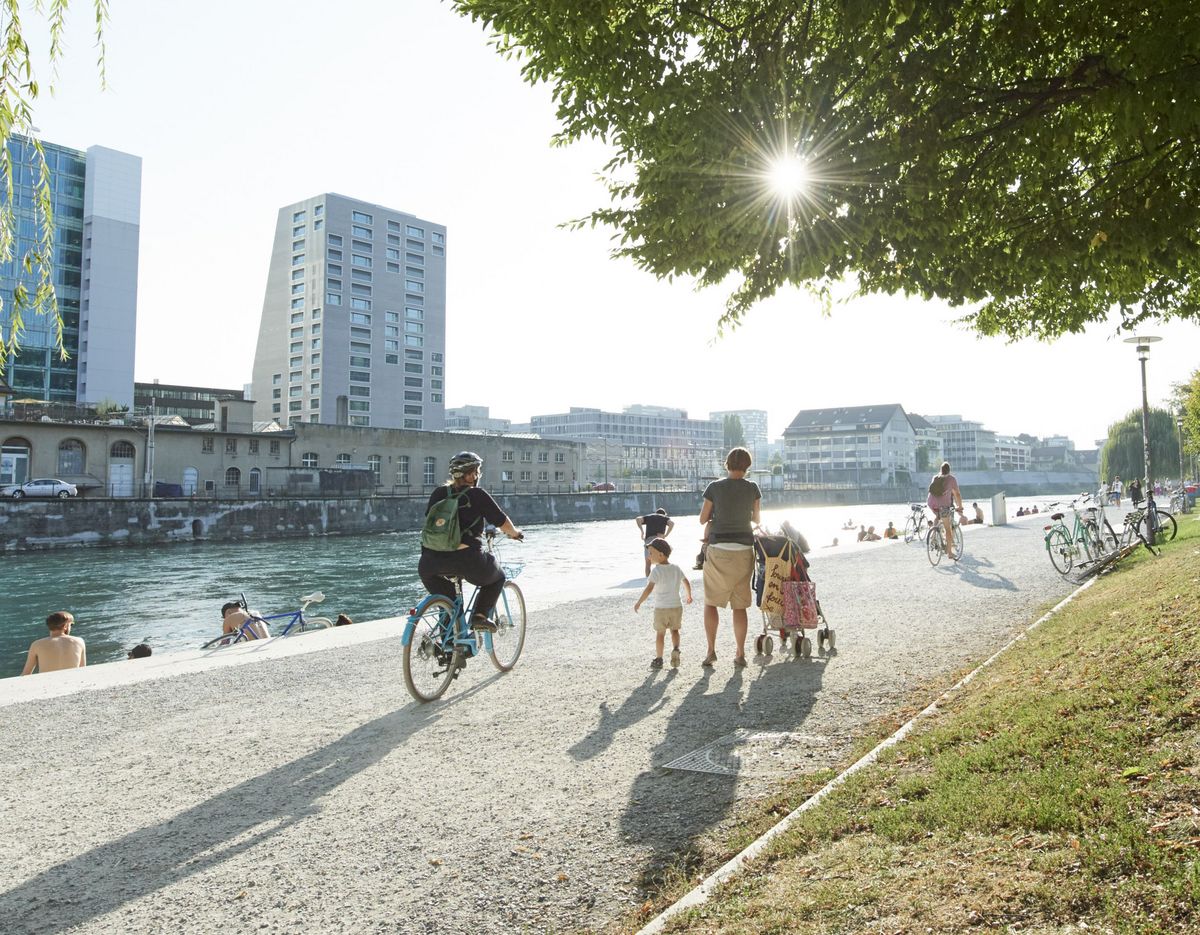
x: 441, y: 531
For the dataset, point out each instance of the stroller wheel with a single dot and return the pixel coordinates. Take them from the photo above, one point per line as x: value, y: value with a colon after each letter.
x: 805, y: 647
x: 758, y: 644
x: 768, y: 646
x: 829, y: 641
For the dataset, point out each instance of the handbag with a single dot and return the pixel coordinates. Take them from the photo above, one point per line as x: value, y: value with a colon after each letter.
x: 799, y: 605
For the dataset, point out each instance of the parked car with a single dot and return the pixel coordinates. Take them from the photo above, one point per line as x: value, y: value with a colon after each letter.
x: 606, y: 487
x: 40, y: 487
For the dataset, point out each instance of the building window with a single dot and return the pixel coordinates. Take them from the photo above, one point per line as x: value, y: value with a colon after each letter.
x: 411, y: 285
x: 412, y: 423
x: 394, y: 226
x: 356, y: 289
x: 298, y: 259
x: 360, y: 391
x: 430, y: 471
x: 231, y: 446
x: 374, y: 463
x: 71, y: 456
x: 437, y: 237
x: 414, y: 245
x: 506, y: 475
x: 363, y: 262
x: 363, y: 304
x: 364, y: 232
x: 360, y: 361
x: 526, y: 476
x: 314, y: 404
x: 298, y: 231
x: 560, y: 457
x: 413, y: 340
x: 358, y: 405
x: 411, y: 231
x: 297, y: 217
x: 360, y: 376
x: 360, y: 218
x: 414, y: 327
x: 526, y: 457
x: 206, y: 445
x: 335, y: 239
x: 310, y: 459
x: 543, y: 457
x: 560, y: 475
x: 543, y: 475
x: 402, y: 471
x: 506, y: 456
x: 233, y: 477
x: 274, y: 447
x: 408, y: 410
x: 393, y: 266
x: 358, y: 318
x: 417, y: 314
x: 391, y: 358
x: 334, y: 254
x: 294, y: 405
x: 253, y: 446
x: 414, y: 272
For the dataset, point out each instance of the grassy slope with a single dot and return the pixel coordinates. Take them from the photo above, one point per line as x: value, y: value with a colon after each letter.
x: 1062, y: 786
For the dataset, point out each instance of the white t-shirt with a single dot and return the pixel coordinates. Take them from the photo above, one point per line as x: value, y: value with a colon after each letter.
x: 667, y: 580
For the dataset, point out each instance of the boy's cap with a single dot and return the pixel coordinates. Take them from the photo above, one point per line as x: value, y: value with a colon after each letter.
x: 661, y: 544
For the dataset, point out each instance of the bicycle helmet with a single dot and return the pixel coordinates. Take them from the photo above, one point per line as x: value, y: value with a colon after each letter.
x: 463, y: 463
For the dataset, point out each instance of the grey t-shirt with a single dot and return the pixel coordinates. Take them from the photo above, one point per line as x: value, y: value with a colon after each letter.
x: 733, y: 502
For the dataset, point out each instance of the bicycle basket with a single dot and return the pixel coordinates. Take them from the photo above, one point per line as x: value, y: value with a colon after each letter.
x: 511, y: 571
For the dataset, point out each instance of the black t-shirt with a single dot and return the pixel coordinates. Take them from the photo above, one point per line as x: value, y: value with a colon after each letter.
x: 654, y: 525
x: 476, y: 507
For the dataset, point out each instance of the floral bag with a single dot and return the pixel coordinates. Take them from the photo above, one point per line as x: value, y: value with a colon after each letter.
x: 799, y: 605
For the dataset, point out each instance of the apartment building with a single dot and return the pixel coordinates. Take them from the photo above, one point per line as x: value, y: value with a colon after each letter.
x: 967, y: 445
x: 353, y: 326
x: 867, y: 445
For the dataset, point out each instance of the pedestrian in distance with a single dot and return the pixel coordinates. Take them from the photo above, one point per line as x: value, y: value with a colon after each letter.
x: 140, y: 651
x: 733, y: 507
x: 653, y: 526
x: 59, y: 650
x: 664, y: 583
x: 1135, y: 492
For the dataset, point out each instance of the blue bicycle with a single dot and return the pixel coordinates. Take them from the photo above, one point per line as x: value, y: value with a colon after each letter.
x: 438, y: 642
x: 257, y: 627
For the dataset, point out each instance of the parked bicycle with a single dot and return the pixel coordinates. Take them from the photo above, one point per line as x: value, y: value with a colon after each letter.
x: 438, y: 641
x: 1081, y: 544
x: 935, y: 539
x: 254, y: 624
x: 916, y: 523
x: 1159, y: 527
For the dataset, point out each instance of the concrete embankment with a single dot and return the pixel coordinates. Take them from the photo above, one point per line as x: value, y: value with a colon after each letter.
x: 308, y: 793
x: 32, y: 525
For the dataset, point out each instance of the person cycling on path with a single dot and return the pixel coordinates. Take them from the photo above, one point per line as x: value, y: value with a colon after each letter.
x: 469, y: 561
x: 943, y: 494
x: 653, y: 526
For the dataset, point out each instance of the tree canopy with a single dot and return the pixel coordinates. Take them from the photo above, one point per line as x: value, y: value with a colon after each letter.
x: 734, y: 434
x: 1122, y: 453
x: 1032, y: 159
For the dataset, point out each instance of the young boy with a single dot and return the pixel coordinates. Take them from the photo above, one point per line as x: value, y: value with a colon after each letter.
x: 664, y: 581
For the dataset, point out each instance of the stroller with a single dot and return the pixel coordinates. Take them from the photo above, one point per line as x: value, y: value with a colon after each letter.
x: 786, y: 595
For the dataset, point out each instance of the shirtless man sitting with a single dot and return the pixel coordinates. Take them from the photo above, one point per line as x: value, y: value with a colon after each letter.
x: 59, y: 650
x: 233, y: 616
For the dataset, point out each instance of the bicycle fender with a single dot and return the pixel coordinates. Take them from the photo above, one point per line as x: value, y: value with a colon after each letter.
x: 411, y: 625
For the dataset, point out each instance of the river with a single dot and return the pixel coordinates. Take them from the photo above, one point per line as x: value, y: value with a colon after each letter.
x: 170, y: 596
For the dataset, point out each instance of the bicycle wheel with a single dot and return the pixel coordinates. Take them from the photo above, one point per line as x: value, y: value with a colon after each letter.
x: 958, y: 543
x: 910, y: 530
x: 1167, y: 527
x: 314, y: 623
x: 225, y: 639
x: 1058, y: 544
x: 509, y: 638
x: 429, y: 655
x: 933, y: 544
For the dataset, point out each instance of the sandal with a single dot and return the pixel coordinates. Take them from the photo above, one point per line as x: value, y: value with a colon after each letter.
x: 709, y: 661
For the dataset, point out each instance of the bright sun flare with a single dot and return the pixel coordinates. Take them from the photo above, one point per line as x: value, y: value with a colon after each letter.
x: 788, y: 176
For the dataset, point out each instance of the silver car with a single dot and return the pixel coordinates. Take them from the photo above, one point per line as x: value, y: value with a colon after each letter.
x: 40, y: 487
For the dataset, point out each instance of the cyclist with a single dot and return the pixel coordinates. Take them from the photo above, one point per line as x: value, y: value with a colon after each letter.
x: 943, y: 494
x: 469, y: 562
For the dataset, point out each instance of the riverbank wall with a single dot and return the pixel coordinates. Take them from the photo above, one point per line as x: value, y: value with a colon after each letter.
x: 31, y: 525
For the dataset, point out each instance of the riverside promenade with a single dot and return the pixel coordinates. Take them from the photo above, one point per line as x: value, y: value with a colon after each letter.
x: 293, y: 786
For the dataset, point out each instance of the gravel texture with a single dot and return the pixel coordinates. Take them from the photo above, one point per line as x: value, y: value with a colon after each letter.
x: 310, y: 794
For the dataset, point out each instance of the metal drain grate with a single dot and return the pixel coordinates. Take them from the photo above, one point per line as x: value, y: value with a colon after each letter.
x: 748, y: 751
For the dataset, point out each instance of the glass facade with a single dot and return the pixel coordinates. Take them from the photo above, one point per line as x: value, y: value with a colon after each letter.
x: 38, y: 371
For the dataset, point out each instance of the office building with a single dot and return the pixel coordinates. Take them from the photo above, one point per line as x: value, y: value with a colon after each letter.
x: 967, y: 445
x: 640, y: 439
x: 196, y: 405
x: 96, y: 199
x: 475, y: 419
x: 353, y: 327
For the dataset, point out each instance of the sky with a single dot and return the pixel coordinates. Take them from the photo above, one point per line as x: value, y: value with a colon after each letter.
x: 240, y: 108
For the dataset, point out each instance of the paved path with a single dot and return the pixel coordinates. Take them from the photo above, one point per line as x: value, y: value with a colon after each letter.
x: 308, y: 793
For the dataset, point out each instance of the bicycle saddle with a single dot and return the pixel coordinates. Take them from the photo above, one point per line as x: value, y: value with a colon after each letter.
x: 315, y: 598
x: 1056, y: 515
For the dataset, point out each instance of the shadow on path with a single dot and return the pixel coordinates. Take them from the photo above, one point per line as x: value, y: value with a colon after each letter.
x: 669, y: 809
x: 108, y: 876
x: 642, y: 701
x: 977, y: 573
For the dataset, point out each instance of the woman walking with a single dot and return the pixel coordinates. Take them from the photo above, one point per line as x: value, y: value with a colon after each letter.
x: 732, y: 505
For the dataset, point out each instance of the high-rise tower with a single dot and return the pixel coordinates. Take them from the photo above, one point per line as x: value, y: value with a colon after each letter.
x: 353, y: 328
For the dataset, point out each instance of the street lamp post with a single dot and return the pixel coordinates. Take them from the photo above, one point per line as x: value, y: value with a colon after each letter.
x: 1185, y: 506
x: 1143, y: 343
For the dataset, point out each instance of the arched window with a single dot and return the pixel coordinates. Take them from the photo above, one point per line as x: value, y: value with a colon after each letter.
x: 71, y: 456
x: 255, y: 480
x: 233, y: 477
x: 374, y: 462
x: 343, y: 460
x: 191, y: 478
x: 121, y: 450
x: 14, y: 461
x: 310, y: 460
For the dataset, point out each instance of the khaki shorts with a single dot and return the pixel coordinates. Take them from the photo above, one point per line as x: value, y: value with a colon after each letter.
x: 667, y: 618
x: 727, y: 574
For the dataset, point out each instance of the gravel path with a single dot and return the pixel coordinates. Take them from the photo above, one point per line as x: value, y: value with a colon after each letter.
x: 310, y: 794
